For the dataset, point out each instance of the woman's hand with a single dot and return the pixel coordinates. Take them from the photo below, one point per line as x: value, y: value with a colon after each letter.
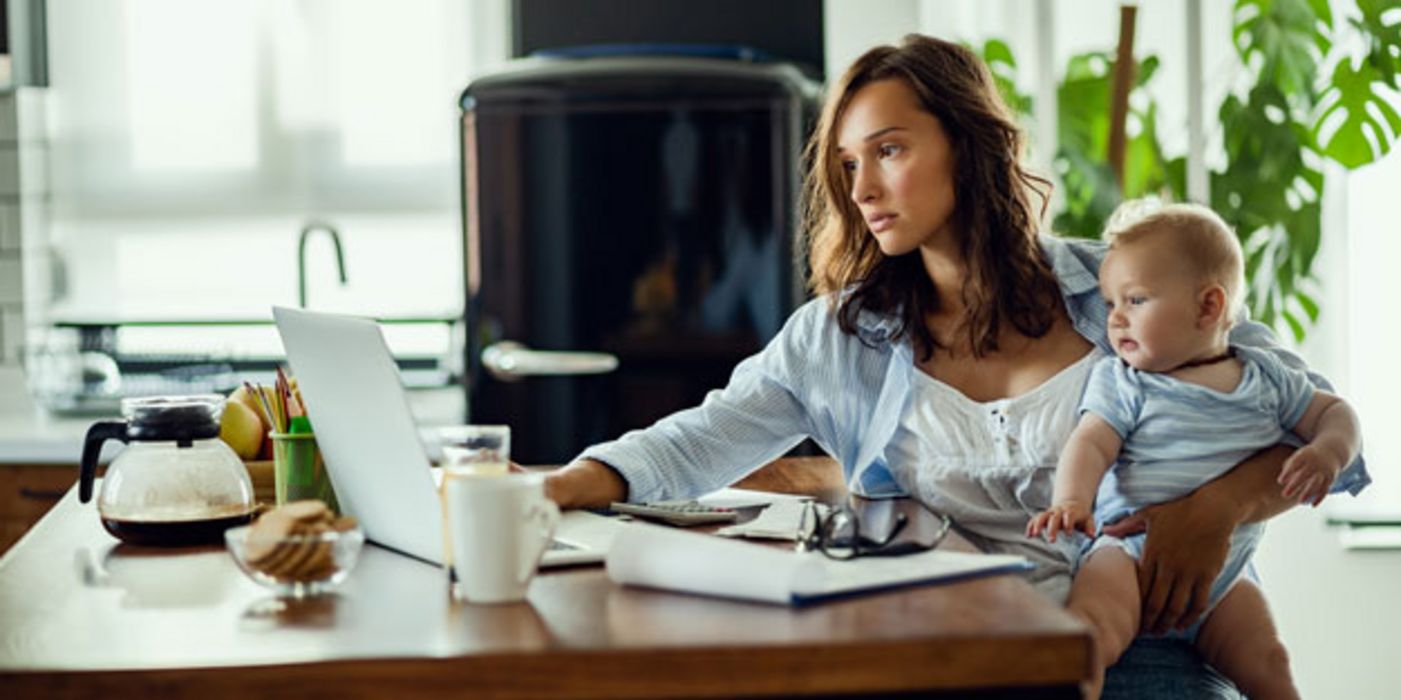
x: 1184, y: 551
x: 585, y: 483
x: 1067, y: 517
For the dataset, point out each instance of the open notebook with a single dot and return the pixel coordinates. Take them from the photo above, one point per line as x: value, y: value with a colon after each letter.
x: 659, y: 557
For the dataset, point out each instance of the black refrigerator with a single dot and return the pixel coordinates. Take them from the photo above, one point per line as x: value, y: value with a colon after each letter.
x: 631, y: 232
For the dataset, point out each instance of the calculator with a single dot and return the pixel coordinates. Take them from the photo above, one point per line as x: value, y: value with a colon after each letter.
x: 683, y: 513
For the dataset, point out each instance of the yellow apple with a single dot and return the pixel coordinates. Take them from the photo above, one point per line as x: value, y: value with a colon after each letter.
x: 241, y: 429
x: 252, y: 400
x: 241, y: 395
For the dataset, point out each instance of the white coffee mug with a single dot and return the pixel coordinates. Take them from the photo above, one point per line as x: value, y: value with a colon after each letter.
x: 498, y: 528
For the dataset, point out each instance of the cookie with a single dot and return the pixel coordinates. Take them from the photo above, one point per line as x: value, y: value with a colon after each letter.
x: 287, y: 543
x: 266, y: 535
x: 305, y: 511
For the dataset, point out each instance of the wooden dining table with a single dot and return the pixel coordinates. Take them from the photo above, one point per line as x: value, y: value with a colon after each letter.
x: 84, y: 616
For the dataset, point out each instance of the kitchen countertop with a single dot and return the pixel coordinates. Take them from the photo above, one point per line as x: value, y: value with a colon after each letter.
x: 31, y: 435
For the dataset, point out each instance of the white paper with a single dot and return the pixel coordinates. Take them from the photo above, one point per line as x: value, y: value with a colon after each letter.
x: 659, y: 557
x: 779, y: 521
x: 746, y: 498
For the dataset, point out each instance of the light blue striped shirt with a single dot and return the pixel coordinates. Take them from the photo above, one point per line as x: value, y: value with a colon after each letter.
x: 846, y: 392
x: 1178, y: 435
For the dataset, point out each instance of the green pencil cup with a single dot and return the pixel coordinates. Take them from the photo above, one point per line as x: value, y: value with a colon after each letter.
x: 299, y: 472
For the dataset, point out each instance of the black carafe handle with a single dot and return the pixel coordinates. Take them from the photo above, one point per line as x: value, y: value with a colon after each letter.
x: 99, y: 433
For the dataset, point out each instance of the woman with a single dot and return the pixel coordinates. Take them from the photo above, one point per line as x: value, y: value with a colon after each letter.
x: 947, y: 348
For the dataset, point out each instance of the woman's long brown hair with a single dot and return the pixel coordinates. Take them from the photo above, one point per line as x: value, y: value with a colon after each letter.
x: 1008, y: 280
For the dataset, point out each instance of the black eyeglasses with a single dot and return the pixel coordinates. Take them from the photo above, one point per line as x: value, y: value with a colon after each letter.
x: 838, y: 535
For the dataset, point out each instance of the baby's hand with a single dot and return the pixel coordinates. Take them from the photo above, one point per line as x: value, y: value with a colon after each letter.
x: 1308, y: 474
x: 1070, y: 516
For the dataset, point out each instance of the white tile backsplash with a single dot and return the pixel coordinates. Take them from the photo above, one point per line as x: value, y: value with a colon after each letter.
x: 36, y: 254
x: 11, y: 281
x: 9, y: 127
x: 11, y: 336
x: 10, y: 223
x: 9, y: 169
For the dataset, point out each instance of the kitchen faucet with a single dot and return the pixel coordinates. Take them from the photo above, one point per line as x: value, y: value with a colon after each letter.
x: 307, y: 230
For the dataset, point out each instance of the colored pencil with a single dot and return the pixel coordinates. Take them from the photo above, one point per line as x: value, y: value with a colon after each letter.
x: 257, y: 392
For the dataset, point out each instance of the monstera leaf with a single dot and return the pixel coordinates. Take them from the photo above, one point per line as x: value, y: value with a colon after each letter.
x: 1083, y: 100
x: 1384, y: 40
x: 1270, y: 194
x: 1090, y: 194
x: 1287, y: 39
x: 1361, y: 137
x: 998, y: 55
x: 1364, y: 124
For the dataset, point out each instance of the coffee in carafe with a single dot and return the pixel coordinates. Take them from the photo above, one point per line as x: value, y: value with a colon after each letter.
x: 176, y: 483
x: 174, y: 533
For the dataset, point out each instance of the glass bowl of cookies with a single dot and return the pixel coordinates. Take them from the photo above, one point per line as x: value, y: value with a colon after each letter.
x: 298, y: 549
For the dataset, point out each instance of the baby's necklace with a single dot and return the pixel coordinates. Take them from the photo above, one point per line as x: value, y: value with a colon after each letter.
x: 1230, y: 352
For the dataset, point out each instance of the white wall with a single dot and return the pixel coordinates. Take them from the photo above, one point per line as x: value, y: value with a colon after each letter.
x: 1338, y: 611
x: 851, y: 27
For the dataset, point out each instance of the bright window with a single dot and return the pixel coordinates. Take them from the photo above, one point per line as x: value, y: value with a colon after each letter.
x: 1368, y: 370
x: 192, y: 139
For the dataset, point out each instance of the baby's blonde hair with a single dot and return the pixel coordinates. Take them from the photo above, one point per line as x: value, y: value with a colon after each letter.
x: 1202, y: 239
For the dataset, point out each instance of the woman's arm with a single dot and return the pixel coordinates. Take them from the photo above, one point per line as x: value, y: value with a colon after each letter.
x: 1188, y: 539
x: 774, y: 399
x: 586, y: 483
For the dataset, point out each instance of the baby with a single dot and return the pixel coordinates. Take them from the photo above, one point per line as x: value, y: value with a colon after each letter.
x: 1178, y: 407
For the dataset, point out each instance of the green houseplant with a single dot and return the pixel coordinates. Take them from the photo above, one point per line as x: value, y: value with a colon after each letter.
x: 1317, y: 87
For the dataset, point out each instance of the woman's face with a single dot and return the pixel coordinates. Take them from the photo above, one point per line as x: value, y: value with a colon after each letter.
x: 901, y: 166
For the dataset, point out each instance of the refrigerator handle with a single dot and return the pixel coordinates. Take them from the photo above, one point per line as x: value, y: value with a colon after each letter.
x: 509, y: 361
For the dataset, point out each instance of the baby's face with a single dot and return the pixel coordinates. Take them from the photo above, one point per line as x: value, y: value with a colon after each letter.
x: 1153, y: 306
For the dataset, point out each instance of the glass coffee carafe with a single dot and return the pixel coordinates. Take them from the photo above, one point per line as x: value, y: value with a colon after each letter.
x: 176, y: 483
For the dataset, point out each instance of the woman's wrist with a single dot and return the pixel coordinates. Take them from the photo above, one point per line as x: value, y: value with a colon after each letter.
x: 585, y: 483
x: 1217, y: 501
x: 1250, y: 492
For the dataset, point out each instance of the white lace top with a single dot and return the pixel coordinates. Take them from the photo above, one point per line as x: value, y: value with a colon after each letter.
x: 990, y: 465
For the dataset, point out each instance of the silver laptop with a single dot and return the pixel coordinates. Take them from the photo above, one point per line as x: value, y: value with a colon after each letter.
x: 377, y: 463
